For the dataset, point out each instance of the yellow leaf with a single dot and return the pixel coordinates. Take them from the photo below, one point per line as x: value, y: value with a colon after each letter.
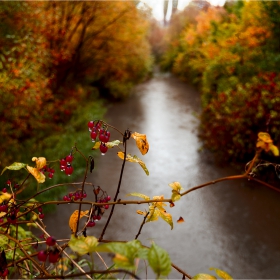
x: 74, y: 219
x: 166, y: 217
x: 264, y: 142
x: 4, y: 197
x: 141, y: 212
x: 96, y: 145
x: 176, y: 186
x: 40, y: 162
x: 134, y: 159
x: 265, y: 137
x: 141, y: 142
x: 274, y: 149
x: 39, y: 176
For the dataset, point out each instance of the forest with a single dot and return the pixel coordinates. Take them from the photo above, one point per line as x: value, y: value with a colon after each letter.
x: 64, y: 63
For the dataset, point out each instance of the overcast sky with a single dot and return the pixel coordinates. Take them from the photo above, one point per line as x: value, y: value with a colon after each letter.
x: 157, y: 6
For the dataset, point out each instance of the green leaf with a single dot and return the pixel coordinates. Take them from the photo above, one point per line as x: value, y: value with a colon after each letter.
x: 139, y: 195
x: 203, y: 276
x: 14, y: 166
x: 114, y: 143
x: 125, y: 253
x: 83, y: 245
x: 221, y: 273
x: 159, y: 260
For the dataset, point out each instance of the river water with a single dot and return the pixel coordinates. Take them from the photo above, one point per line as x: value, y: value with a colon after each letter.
x: 233, y: 226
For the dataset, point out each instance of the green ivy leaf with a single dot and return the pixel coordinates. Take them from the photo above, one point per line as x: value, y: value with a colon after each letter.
x: 203, y: 276
x: 139, y: 195
x: 221, y: 273
x: 83, y: 245
x: 159, y: 260
x: 14, y: 166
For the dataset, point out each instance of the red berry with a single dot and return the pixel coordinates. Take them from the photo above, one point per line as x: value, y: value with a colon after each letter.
x: 4, y: 190
x: 9, y: 182
x: 103, y: 148
x: 3, y: 208
x: 93, y: 135
x: 91, y: 224
x: 66, y: 198
x: 69, y: 169
x: 42, y: 256
x: 108, y: 198
x: 54, y: 256
x: 41, y: 216
x: 106, y: 206
x: 98, y: 217
x: 84, y: 195
x: 63, y: 164
x: 50, y: 175
x: 69, y: 158
x: 5, y: 273
x: 90, y: 125
x: 50, y: 241
x: 40, y: 209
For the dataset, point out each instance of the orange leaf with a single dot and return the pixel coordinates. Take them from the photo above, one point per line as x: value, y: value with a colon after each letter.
x: 141, y: 142
x: 74, y: 219
x: 180, y: 220
x: 39, y: 176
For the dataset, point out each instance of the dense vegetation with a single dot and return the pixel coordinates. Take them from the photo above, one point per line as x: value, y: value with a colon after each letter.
x: 232, y: 54
x: 57, y: 57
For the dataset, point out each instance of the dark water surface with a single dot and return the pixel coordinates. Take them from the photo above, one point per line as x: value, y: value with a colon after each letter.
x: 234, y: 226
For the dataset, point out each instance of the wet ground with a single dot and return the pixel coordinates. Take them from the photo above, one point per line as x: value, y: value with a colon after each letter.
x: 233, y: 226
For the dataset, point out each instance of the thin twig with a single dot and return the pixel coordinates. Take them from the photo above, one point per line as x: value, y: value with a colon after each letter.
x: 116, y: 195
x: 143, y: 222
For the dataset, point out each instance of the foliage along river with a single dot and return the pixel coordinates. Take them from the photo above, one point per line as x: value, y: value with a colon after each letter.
x: 233, y: 226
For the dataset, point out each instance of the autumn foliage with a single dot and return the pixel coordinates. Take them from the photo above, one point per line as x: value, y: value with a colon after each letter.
x: 231, y: 54
x: 56, y: 55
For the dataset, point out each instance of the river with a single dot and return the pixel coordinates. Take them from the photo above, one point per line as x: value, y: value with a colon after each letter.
x: 233, y: 226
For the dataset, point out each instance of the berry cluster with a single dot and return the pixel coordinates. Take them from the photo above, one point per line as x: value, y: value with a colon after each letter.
x: 9, y: 184
x: 98, y: 211
x: 74, y: 196
x: 53, y: 253
x: 66, y: 164
x: 102, y: 133
x: 41, y: 214
x: 51, y: 171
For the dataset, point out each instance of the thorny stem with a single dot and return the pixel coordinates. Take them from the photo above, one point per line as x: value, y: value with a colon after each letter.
x: 116, y: 195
